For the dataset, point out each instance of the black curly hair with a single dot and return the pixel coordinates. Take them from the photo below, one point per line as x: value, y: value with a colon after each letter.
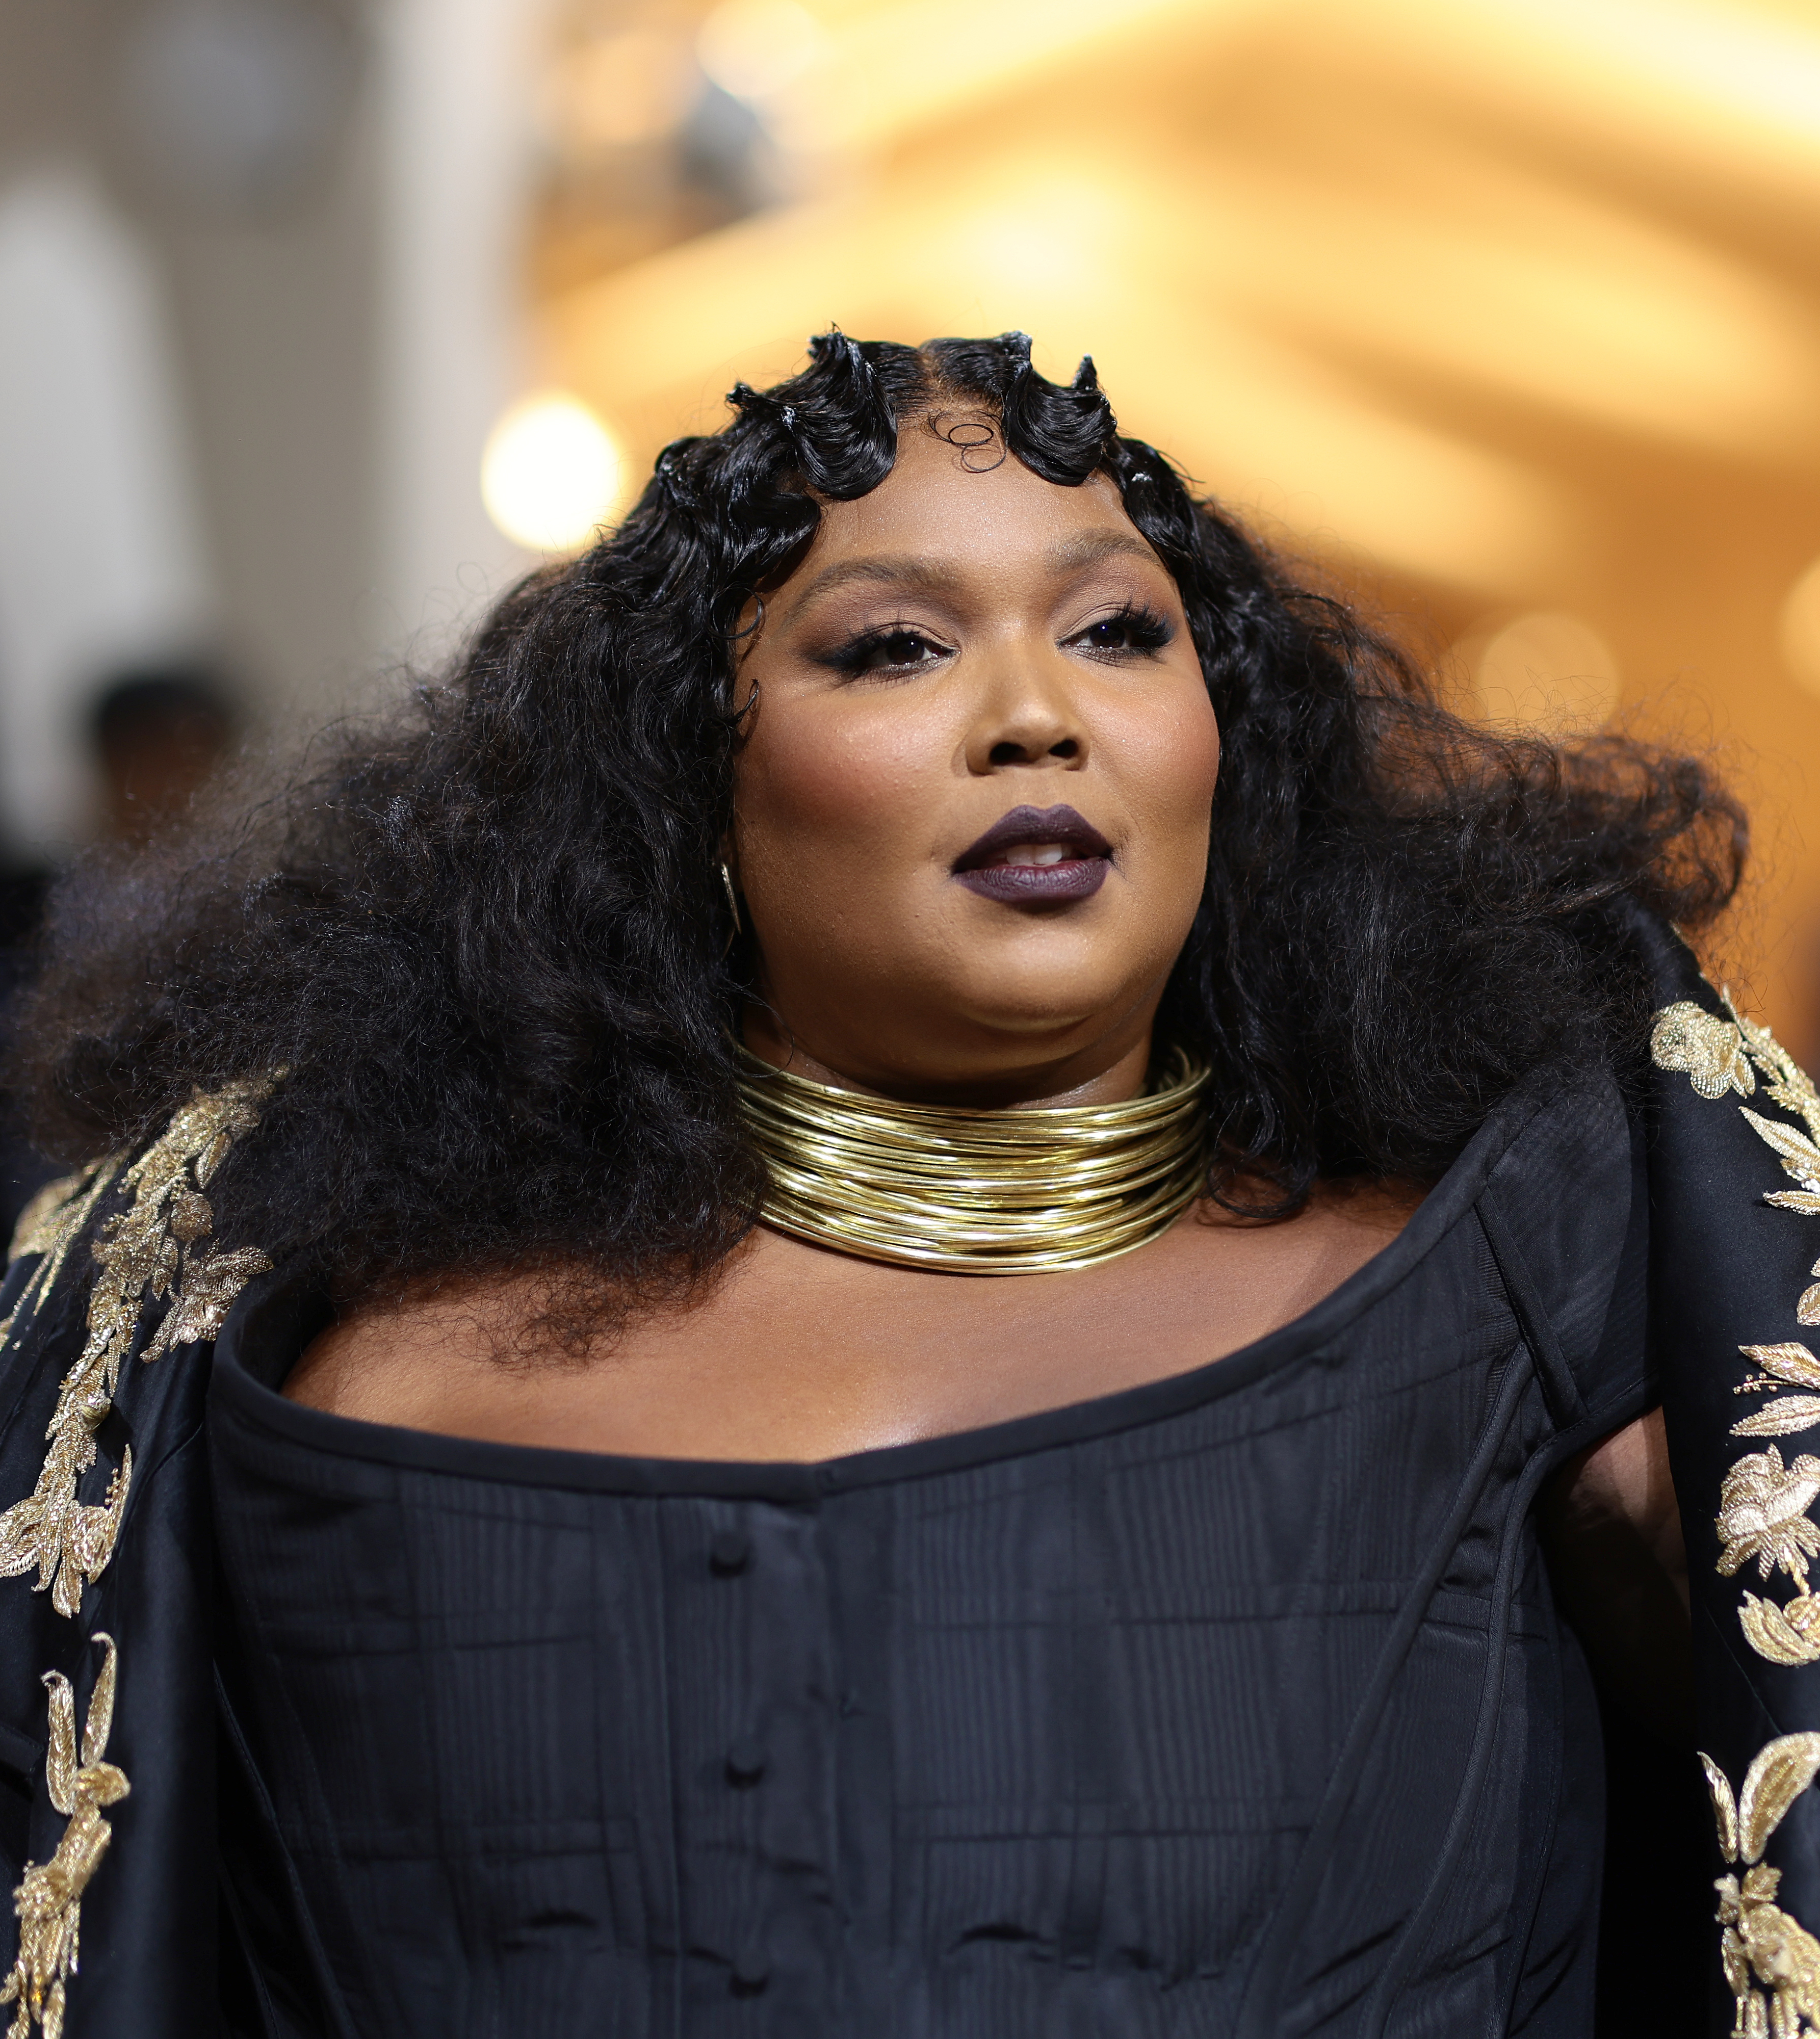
x: 488, y: 943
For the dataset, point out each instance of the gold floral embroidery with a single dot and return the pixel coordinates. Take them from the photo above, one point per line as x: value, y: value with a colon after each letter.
x: 49, y: 1901
x: 1763, y: 1516
x: 1706, y: 1049
x: 1785, y: 1082
x: 1763, y: 1504
x: 1772, y: 1962
x: 159, y: 1246
x: 1783, y: 1365
x: 151, y: 1248
x: 49, y: 1225
x: 1799, y: 1156
x: 1763, y: 1948
x: 41, y: 1222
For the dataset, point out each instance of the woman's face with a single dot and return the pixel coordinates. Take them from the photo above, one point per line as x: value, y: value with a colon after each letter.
x: 971, y: 817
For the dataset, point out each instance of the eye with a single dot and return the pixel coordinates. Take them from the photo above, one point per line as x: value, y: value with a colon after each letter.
x: 896, y: 650
x: 1132, y: 633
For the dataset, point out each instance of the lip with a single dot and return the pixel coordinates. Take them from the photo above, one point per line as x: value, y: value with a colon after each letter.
x: 1077, y: 876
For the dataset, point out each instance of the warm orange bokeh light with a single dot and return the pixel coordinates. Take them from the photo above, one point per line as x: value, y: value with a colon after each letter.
x: 1505, y: 310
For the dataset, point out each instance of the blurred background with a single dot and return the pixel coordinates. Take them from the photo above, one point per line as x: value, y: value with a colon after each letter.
x: 319, y: 319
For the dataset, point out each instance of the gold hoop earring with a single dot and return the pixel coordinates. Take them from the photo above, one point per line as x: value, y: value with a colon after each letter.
x: 732, y: 905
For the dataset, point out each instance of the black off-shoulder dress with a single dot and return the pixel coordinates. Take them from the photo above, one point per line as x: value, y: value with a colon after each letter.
x: 1236, y: 1703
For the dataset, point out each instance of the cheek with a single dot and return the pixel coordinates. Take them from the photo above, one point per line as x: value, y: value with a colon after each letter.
x: 1172, y: 758
x: 814, y: 784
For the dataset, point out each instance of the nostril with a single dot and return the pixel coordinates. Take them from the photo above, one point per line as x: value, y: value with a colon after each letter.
x: 1006, y: 753
x: 1066, y: 748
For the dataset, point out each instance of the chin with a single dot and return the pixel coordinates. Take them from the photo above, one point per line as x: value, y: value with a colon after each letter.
x: 1014, y: 1004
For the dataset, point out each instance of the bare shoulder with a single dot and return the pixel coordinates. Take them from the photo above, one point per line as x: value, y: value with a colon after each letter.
x: 399, y: 1362
x: 1342, y: 1225
x: 791, y: 1352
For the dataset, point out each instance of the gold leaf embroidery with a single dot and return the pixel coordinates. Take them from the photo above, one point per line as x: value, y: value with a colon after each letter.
x: 1787, y: 1083
x: 41, y: 1221
x: 1763, y: 1504
x: 1772, y: 1962
x: 1710, y: 1050
x: 1724, y: 1806
x: 1790, y: 1361
x: 1763, y: 1515
x: 1792, y: 1414
x: 48, y: 1902
x: 1779, y: 1773
x: 137, y: 1256
x: 50, y: 1226
x: 1784, y: 1634
x: 1763, y: 1518
x: 1762, y: 1947
x: 211, y: 1282
x: 157, y: 1246
x: 1798, y: 1154
x: 1781, y: 1363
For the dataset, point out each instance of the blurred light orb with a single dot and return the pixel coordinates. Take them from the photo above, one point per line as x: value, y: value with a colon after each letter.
x: 1547, y: 673
x: 754, y: 48
x: 551, y: 473
x: 1801, y: 629
x: 615, y: 91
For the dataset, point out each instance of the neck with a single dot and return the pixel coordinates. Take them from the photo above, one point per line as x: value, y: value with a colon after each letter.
x: 1110, y: 1072
x: 971, y: 1191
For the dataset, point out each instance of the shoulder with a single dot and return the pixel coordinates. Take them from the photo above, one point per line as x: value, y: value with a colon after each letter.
x: 411, y: 1361
x: 42, y: 1220
x: 137, y: 1228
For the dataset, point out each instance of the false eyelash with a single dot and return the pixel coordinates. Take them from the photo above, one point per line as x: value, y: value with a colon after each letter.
x: 850, y: 658
x: 1149, y: 632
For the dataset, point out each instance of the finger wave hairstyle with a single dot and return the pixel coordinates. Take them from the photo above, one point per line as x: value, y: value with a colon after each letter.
x: 487, y: 940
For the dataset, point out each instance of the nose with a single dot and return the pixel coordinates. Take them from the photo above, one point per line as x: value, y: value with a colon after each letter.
x: 1026, y: 716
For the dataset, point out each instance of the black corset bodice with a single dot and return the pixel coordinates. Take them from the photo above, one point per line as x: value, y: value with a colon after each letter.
x: 1237, y: 1703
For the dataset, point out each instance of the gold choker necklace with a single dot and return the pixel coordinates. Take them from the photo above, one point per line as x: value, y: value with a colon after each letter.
x: 975, y: 1192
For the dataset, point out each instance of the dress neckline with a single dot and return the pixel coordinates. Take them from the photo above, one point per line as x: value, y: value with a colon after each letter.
x: 289, y: 1314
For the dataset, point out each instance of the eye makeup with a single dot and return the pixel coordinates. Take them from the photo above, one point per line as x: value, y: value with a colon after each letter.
x: 1134, y: 630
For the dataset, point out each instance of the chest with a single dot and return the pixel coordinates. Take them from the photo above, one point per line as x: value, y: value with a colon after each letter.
x: 1054, y: 1712
x: 802, y: 1354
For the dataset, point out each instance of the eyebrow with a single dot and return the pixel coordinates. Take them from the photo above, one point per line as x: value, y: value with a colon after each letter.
x: 934, y: 577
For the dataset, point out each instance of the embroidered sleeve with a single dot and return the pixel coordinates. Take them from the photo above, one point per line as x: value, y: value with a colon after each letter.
x: 1767, y: 1531
x: 157, y: 1246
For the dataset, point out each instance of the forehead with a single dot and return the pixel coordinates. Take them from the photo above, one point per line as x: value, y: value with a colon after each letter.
x: 962, y: 501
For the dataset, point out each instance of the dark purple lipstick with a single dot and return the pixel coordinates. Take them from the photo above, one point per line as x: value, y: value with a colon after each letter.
x: 1036, y: 856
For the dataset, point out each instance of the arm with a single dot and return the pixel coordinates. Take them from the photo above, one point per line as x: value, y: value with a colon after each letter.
x: 1611, y: 1527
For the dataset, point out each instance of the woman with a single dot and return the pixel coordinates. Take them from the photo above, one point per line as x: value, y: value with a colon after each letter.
x: 899, y: 1227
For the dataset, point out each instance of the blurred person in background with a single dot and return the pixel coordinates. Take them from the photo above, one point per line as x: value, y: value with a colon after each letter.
x: 927, y: 1272
x: 157, y: 734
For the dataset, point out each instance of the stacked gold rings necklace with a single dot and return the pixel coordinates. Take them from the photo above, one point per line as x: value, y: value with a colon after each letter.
x: 975, y: 1192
